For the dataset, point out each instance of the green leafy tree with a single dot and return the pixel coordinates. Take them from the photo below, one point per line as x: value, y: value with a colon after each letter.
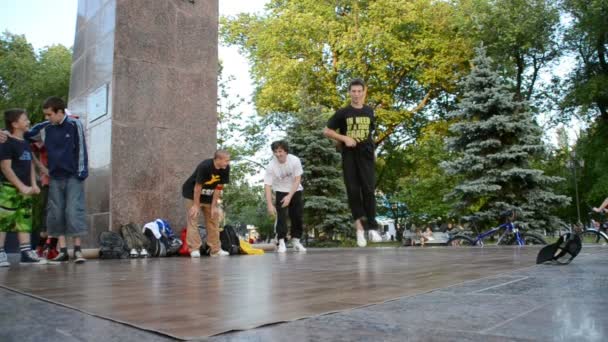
x: 558, y: 161
x: 593, y: 179
x: 521, y: 36
x: 587, y: 38
x: 407, y: 50
x: 497, y: 139
x: 17, y: 69
x: 28, y: 78
x: 423, y: 184
x: 53, y: 75
x: 243, y: 136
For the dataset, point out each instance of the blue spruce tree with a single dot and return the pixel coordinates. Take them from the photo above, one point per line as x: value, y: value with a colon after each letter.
x: 496, y: 139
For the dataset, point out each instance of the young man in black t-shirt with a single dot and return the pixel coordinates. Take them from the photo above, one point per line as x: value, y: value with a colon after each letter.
x: 17, y: 184
x: 352, y: 128
x: 202, y: 192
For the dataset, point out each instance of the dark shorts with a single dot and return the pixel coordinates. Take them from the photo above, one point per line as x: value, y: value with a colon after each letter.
x: 39, y: 210
x: 15, y: 210
x: 66, y: 214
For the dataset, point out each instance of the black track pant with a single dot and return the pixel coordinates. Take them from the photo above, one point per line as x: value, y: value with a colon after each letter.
x: 295, y: 211
x: 360, y: 181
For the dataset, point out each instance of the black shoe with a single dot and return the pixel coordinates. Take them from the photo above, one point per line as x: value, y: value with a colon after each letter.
x: 61, y: 257
x: 31, y: 258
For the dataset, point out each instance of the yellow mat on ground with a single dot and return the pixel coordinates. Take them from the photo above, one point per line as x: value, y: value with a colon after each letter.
x: 247, y: 249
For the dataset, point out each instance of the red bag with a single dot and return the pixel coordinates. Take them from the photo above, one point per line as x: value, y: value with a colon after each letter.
x: 184, y: 251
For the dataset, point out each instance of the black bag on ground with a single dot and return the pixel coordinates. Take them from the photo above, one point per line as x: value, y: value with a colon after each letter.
x: 112, y: 246
x: 158, y: 247
x: 568, y: 243
x: 229, y: 240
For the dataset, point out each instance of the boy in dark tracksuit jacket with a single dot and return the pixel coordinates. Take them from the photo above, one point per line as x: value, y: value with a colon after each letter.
x: 64, y: 139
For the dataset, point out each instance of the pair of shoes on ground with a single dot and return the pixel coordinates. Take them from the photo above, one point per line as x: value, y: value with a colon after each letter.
x: 134, y: 253
x: 64, y: 257
x: 297, y: 246
x: 197, y: 254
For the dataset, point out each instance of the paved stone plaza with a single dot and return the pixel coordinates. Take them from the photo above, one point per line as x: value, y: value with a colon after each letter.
x: 391, y: 294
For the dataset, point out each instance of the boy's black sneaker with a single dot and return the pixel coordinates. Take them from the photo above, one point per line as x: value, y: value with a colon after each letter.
x: 61, y: 257
x: 30, y: 258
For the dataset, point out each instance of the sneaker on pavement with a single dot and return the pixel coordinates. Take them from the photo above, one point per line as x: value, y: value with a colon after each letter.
x: 297, y: 245
x: 195, y: 254
x: 143, y: 253
x: 31, y: 258
x: 79, y: 257
x: 220, y: 253
x: 133, y: 253
x: 61, y: 257
x: 4, y: 260
x: 361, y: 242
x: 281, y: 248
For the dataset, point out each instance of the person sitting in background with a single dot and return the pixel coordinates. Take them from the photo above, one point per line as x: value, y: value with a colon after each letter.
x: 419, y: 238
x: 602, y: 208
x: 428, y: 234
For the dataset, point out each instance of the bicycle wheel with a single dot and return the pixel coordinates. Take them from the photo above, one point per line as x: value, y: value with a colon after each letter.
x: 533, y: 239
x: 592, y: 237
x: 460, y: 241
x: 506, y: 240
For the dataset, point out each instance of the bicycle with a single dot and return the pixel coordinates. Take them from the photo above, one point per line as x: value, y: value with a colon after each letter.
x: 512, y: 235
x: 593, y: 234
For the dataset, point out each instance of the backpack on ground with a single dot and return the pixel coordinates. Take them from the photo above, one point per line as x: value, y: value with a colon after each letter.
x: 229, y: 240
x: 111, y: 246
x: 163, y: 241
x: 555, y: 253
x: 136, y: 241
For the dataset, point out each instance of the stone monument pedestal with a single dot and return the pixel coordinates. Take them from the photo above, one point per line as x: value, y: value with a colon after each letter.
x: 144, y: 83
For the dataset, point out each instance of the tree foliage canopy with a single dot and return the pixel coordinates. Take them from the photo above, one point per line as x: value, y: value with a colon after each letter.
x: 27, y: 78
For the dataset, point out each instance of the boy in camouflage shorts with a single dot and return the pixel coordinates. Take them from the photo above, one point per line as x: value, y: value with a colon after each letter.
x: 17, y: 184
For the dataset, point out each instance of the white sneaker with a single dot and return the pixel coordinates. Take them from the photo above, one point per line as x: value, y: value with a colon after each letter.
x: 220, y: 253
x: 143, y: 253
x: 281, y: 248
x: 297, y: 245
x: 133, y: 253
x: 4, y: 260
x: 195, y: 254
x: 361, y: 242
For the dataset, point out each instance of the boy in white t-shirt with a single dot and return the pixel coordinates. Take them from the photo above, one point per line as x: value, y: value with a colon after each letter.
x: 283, y: 175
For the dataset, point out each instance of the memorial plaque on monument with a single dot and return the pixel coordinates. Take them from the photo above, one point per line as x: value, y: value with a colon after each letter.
x: 97, y: 103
